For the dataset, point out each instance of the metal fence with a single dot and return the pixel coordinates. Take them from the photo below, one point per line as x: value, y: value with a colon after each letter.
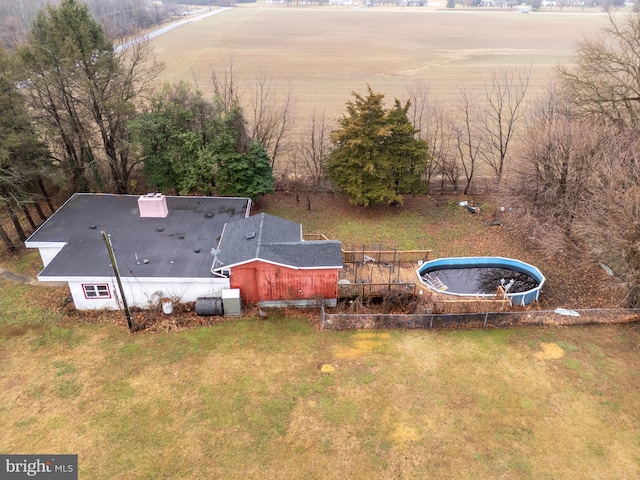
x: 377, y: 253
x: 347, y: 321
x: 374, y: 289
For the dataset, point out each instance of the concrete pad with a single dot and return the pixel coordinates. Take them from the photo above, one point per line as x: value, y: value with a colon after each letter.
x: 14, y: 277
x: 38, y: 283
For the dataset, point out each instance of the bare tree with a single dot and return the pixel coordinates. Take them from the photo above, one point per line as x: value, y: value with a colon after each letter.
x: 439, y: 141
x: 450, y: 170
x: 269, y: 114
x: 269, y: 111
x: 16, y: 18
x: 418, y: 93
x: 430, y: 119
x: 467, y: 135
x: 604, y: 77
x: 580, y: 165
x: 119, y: 18
x: 225, y: 82
x: 557, y: 158
x: 314, y: 145
x: 124, y: 18
x: 503, y: 111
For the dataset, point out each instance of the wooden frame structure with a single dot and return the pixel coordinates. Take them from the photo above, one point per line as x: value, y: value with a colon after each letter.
x: 376, y: 271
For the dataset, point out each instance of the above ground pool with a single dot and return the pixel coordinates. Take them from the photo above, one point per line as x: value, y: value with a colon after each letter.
x: 481, y: 277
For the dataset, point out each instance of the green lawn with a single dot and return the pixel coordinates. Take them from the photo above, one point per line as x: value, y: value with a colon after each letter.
x: 418, y: 225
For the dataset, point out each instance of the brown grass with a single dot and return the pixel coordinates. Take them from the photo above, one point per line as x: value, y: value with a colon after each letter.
x: 255, y: 399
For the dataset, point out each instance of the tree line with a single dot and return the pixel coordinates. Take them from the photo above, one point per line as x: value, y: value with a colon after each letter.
x: 376, y: 154
x: 119, y: 18
x: 578, y: 172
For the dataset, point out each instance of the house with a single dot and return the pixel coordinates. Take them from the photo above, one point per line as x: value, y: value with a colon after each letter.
x: 268, y: 260
x: 162, y: 246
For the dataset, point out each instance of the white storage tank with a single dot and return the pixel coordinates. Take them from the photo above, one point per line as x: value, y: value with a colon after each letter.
x: 231, y: 301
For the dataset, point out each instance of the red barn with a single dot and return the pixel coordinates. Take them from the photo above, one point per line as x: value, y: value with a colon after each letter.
x: 267, y: 259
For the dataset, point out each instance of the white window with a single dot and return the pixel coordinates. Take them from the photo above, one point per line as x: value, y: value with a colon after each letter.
x: 96, y: 291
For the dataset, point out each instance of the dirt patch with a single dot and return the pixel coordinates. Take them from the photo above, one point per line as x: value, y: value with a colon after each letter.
x: 549, y: 351
x: 403, y: 433
x: 364, y: 342
x: 10, y: 331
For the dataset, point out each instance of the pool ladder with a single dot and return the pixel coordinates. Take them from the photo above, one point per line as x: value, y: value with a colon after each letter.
x: 434, y: 282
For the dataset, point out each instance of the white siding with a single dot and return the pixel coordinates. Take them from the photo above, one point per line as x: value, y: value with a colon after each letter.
x: 144, y: 292
x: 47, y: 250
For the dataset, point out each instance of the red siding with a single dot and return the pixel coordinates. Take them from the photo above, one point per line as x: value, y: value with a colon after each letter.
x: 260, y: 281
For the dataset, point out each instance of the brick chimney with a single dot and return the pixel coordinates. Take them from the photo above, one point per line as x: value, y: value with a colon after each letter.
x: 153, y: 205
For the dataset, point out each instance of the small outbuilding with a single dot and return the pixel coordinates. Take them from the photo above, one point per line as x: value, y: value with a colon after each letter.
x: 267, y: 258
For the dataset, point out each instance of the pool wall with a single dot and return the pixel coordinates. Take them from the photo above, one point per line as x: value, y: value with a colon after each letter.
x: 519, y: 298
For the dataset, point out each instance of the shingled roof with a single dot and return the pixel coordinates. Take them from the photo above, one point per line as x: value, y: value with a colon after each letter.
x: 274, y: 240
x: 176, y: 246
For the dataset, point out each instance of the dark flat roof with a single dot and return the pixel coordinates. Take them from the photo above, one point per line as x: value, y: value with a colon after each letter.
x: 177, y: 246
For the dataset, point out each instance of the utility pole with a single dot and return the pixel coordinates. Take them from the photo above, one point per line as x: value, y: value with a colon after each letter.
x: 127, y: 312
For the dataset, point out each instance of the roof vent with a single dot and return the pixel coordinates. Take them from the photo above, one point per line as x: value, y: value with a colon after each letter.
x: 250, y: 235
x: 153, y: 205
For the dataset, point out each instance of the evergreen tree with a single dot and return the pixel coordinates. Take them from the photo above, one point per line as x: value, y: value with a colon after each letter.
x: 170, y: 137
x: 192, y: 145
x: 409, y: 157
x: 376, y: 157
x: 24, y: 160
x: 84, y: 92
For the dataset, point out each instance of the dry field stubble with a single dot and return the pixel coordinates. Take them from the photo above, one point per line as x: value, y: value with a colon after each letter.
x: 325, y: 54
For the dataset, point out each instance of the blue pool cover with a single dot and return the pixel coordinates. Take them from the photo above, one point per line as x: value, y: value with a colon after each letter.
x: 516, y: 298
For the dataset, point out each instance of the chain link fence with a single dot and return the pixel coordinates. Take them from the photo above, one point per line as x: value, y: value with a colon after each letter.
x: 347, y: 321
